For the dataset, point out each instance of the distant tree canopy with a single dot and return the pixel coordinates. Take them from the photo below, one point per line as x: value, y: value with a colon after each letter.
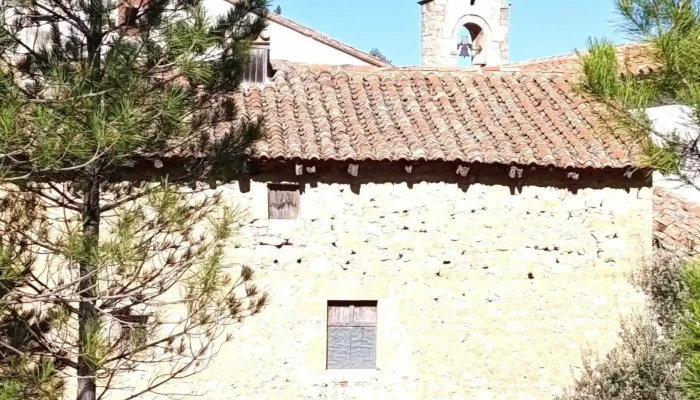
x: 278, y: 9
x: 375, y: 52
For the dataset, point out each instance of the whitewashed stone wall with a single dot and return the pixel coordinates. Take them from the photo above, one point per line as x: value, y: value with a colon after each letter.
x: 289, y: 45
x: 482, y: 294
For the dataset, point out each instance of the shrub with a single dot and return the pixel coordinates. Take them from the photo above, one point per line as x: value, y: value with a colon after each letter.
x: 688, y: 337
x: 646, y: 364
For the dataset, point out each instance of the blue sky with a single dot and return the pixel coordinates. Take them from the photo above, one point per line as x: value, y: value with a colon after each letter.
x: 539, y: 28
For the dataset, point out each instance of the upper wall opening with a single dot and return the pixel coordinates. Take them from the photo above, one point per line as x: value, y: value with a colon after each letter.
x: 445, y: 23
x: 473, y: 37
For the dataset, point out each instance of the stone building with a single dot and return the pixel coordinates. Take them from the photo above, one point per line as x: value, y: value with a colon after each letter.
x: 431, y: 232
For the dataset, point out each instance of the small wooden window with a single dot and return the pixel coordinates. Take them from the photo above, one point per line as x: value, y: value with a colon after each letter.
x: 257, y: 68
x: 134, y: 331
x: 352, y: 335
x: 283, y: 201
x: 130, y: 12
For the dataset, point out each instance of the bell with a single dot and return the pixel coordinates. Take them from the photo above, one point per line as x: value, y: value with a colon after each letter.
x: 465, y: 50
x: 465, y: 47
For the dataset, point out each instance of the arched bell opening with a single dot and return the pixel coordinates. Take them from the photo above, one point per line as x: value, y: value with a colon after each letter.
x: 471, y: 46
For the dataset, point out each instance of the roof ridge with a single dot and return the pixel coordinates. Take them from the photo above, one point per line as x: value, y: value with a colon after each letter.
x: 283, y: 66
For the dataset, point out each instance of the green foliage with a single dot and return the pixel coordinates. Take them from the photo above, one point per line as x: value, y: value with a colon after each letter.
x: 20, y: 381
x: 601, y: 69
x: 376, y: 53
x: 667, y: 32
x: 642, y: 367
x: 659, y: 354
x: 25, y: 370
x: 112, y: 142
x: 645, y: 365
x: 689, y: 333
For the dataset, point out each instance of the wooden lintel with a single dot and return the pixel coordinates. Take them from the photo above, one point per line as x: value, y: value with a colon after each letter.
x: 353, y: 169
x: 299, y: 169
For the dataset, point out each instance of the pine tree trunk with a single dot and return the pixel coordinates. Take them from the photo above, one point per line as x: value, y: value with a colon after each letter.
x: 87, y: 388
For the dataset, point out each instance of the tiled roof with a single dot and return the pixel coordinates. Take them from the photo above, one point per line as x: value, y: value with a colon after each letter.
x: 326, y: 113
x: 632, y: 58
x: 676, y: 222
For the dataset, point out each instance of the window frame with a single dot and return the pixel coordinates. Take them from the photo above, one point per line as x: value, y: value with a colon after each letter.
x: 131, y: 325
x: 351, y: 304
x: 250, y: 71
x: 283, y: 187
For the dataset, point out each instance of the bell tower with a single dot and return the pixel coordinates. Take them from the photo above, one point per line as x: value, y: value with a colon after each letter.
x: 474, y: 29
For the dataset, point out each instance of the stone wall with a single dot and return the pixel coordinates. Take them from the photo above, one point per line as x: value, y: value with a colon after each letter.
x: 432, y: 20
x: 485, y: 290
x: 441, y: 21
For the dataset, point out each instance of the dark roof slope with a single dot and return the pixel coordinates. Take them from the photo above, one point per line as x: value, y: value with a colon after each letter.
x: 331, y: 113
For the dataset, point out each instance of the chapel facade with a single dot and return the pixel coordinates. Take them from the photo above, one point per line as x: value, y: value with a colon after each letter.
x: 426, y: 232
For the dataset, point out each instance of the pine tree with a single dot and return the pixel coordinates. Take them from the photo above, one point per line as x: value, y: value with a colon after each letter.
x: 668, y: 33
x: 22, y: 376
x: 114, y: 132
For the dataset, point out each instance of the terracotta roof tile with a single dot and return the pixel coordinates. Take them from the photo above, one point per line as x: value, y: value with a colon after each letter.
x: 323, y: 113
x: 676, y: 223
x: 632, y: 57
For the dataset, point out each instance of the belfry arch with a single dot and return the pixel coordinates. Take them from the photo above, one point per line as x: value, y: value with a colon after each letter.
x: 450, y: 25
x: 474, y: 30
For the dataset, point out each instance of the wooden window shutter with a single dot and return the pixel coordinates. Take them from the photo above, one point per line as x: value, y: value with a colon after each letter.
x: 257, y: 68
x: 283, y: 201
x: 352, y: 335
